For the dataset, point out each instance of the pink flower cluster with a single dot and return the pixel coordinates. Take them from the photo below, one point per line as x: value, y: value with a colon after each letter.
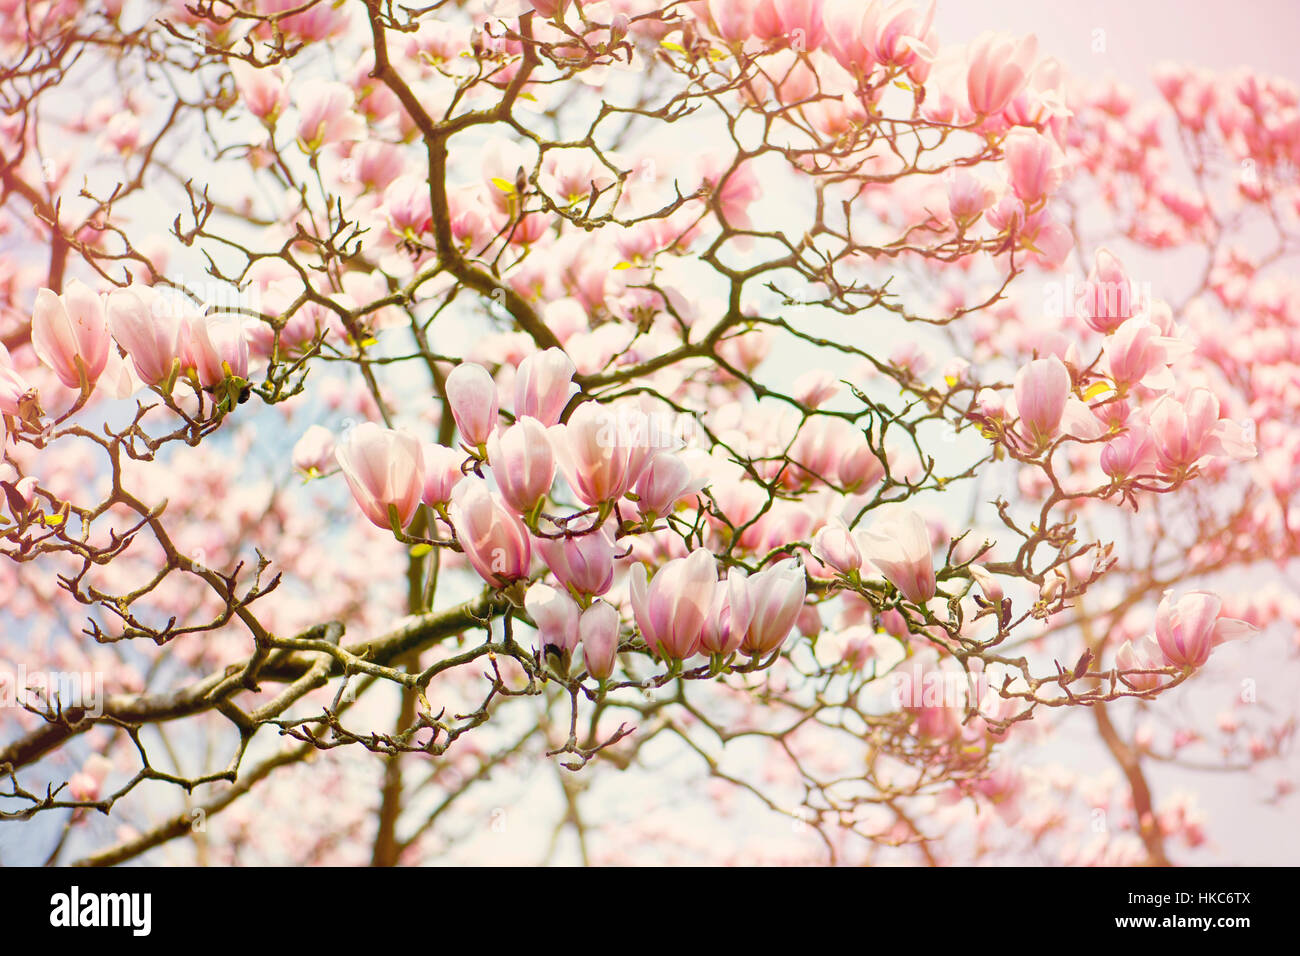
x: 134, y: 336
x: 683, y: 610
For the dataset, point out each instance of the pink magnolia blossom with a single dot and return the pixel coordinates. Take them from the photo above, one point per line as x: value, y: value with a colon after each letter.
x: 313, y: 453
x: 729, y: 617
x: 897, y: 33
x: 551, y: 9
x: 601, y: 453
x: 583, y: 563
x: 472, y: 395
x: 384, y: 469
x: 1138, y: 353
x: 777, y: 594
x: 1182, y: 433
x: 731, y: 21
x: 443, y: 471
x: 899, y: 545
x: 1042, y: 388
x: 376, y: 165
x: 1033, y: 165
x: 598, y: 631
x: 522, y: 463
x: 858, y: 467
x: 325, y: 113
x: 1000, y: 67
x: 556, y: 615
x: 495, y: 540
x: 217, y: 348
x: 797, y: 21
x: 1128, y: 455
x: 1107, y: 299
x: 544, y: 384
x: 815, y: 387
x: 968, y: 196
x: 16, y: 394
x: 264, y: 90
x: 70, y: 333
x: 151, y: 331
x: 672, y: 609
x: 989, y: 584
x: 408, y: 206
x: 1189, y: 628
x: 666, y: 480
x: 835, y: 546
x: 1143, y: 655
x: 87, y: 783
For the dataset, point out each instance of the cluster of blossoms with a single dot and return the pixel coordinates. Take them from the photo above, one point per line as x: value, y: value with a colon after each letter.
x: 606, y: 456
x: 688, y: 337
x: 126, y: 340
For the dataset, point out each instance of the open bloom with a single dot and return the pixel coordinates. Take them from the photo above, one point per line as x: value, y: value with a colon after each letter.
x: 859, y: 467
x: 150, y: 330
x: 217, y: 348
x: 70, y: 333
x: 672, y: 610
x: 777, y: 594
x: 798, y: 21
x: 495, y: 541
x: 601, y: 453
x: 383, y: 467
x: 544, y: 384
x: 326, y: 114
x: 898, y: 33
x: 598, y: 630
x: 999, y: 68
x: 265, y: 90
x: 1142, y: 655
x: 1138, y: 352
x: 666, y: 480
x: 899, y: 545
x: 522, y: 463
x: 1182, y: 433
x: 314, y: 451
x: 407, y: 203
x: 1128, y: 455
x: 1189, y: 628
x: 474, y: 403
x: 968, y: 196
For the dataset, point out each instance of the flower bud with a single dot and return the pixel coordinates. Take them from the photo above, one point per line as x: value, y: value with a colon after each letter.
x: 472, y: 394
x: 598, y: 630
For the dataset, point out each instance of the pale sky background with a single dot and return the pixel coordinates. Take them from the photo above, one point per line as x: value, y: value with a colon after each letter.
x: 1139, y: 33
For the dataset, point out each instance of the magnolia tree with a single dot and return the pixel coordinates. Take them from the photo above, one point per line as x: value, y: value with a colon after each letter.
x: 747, y: 431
